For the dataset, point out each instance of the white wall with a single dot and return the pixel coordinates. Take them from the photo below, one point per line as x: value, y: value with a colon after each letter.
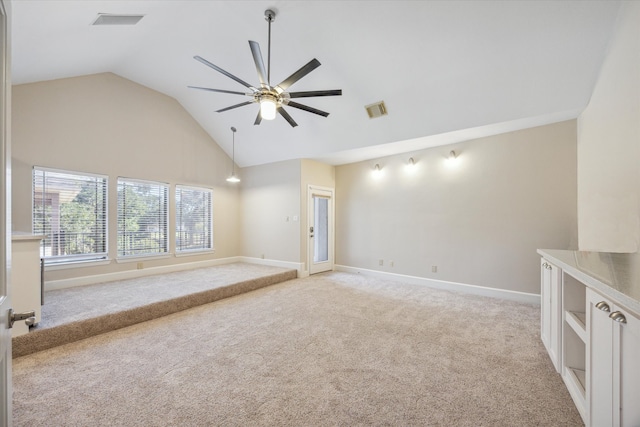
x: 609, y: 146
x: 108, y: 125
x: 479, y: 221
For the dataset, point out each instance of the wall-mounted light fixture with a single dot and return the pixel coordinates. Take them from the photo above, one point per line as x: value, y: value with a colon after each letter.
x: 411, y: 165
x: 233, y: 177
x: 452, y: 155
x: 377, y: 171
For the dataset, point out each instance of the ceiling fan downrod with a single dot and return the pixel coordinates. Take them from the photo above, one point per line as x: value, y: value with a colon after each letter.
x: 269, y: 16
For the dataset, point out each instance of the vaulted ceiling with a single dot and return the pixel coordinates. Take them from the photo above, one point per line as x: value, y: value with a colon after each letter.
x: 446, y: 70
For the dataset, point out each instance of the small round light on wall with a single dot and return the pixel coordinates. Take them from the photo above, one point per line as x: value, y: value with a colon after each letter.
x: 268, y: 107
x: 377, y: 171
x: 410, y: 167
x: 452, y: 159
x: 233, y: 178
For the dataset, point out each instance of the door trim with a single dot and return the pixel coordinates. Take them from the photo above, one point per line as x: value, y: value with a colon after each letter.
x: 330, y: 194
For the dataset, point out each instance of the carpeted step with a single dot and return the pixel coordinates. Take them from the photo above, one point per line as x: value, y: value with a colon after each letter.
x: 45, y: 338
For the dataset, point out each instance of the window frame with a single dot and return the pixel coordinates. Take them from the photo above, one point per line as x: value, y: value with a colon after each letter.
x: 211, y: 248
x: 131, y: 256
x: 73, y: 258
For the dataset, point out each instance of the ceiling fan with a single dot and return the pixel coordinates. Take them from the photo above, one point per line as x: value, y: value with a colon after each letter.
x: 271, y: 98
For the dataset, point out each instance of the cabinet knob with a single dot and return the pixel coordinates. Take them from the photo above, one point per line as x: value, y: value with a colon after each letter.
x: 618, y: 317
x: 603, y: 306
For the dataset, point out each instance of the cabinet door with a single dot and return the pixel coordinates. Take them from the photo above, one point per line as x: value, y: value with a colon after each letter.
x: 551, y: 310
x: 545, y: 304
x: 627, y: 370
x: 556, y: 316
x: 599, y: 360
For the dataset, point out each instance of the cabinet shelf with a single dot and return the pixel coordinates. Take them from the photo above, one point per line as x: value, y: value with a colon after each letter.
x: 577, y: 321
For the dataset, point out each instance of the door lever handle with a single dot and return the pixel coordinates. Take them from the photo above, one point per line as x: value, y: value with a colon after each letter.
x: 15, y: 317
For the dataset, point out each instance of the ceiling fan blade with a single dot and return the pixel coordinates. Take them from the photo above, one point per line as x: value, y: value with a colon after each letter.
x: 242, y: 104
x: 220, y: 90
x: 307, y: 108
x: 306, y: 69
x: 258, y: 119
x: 287, y: 117
x: 257, y: 58
x: 226, y: 73
x: 336, y: 92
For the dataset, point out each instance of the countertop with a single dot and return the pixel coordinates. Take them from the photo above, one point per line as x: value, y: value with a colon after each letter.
x: 614, y: 275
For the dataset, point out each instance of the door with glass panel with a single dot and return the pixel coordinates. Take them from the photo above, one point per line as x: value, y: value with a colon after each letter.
x: 5, y: 231
x: 320, y: 229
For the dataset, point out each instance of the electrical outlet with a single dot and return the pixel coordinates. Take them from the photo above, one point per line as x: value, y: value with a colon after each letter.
x: 434, y: 268
x: 262, y: 256
x: 381, y: 262
x: 140, y: 266
x: 390, y: 263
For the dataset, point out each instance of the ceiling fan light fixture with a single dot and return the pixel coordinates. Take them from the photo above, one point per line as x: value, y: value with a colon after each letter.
x: 271, y: 98
x: 268, y: 107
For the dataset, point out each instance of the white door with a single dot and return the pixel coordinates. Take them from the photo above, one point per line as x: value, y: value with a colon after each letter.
x: 5, y: 238
x: 320, y: 229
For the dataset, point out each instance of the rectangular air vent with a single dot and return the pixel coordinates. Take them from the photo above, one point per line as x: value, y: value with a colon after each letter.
x: 376, y: 110
x: 114, y: 19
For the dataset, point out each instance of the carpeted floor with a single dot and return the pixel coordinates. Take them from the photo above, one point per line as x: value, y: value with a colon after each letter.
x: 81, y: 312
x: 331, y: 349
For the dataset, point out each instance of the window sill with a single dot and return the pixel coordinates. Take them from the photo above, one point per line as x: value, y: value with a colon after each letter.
x: 140, y: 258
x: 195, y: 252
x: 76, y: 264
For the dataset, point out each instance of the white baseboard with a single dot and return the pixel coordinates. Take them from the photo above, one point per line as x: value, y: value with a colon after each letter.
x: 441, y: 284
x: 132, y: 274
x: 299, y: 266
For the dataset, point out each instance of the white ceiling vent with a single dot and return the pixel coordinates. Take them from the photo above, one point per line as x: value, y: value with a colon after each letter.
x: 376, y: 110
x: 114, y: 19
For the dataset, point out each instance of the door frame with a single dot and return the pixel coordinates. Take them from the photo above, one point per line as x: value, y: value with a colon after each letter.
x: 330, y: 194
x: 5, y: 226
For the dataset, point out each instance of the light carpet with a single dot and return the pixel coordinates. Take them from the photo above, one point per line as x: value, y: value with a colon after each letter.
x: 331, y: 349
x: 81, y: 312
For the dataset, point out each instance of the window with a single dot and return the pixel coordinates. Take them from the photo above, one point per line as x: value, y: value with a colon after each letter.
x: 142, y: 218
x: 70, y: 211
x: 194, y: 228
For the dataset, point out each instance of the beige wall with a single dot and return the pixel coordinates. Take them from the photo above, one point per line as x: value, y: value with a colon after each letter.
x: 479, y: 221
x: 108, y: 125
x: 270, y: 201
x: 609, y: 146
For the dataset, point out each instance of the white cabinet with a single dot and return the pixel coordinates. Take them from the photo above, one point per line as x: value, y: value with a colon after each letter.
x: 613, y: 366
x: 551, y: 311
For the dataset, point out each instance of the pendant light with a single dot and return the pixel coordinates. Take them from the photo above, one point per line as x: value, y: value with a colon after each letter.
x: 233, y: 177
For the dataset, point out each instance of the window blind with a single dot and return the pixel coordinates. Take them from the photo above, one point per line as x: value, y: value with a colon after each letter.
x: 142, y: 218
x: 70, y: 211
x: 194, y: 219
